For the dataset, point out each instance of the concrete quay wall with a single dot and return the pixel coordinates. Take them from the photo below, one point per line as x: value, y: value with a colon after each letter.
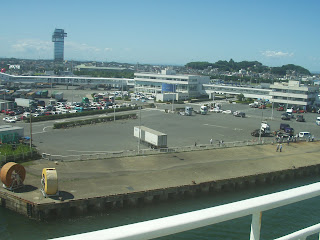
x: 77, y: 207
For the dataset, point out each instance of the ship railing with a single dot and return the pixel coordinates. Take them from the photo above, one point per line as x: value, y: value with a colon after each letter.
x: 187, y: 221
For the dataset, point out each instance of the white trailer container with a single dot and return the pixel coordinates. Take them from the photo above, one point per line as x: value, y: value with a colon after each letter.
x: 152, y: 137
x: 23, y: 102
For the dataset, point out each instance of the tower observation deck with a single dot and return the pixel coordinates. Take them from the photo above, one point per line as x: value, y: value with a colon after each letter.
x: 58, y: 39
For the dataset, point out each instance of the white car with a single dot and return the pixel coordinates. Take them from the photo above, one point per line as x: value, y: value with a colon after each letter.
x: 216, y: 110
x: 10, y: 120
x: 5, y: 118
x: 227, y: 112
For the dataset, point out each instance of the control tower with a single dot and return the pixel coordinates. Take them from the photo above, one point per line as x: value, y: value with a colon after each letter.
x: 58, y: 39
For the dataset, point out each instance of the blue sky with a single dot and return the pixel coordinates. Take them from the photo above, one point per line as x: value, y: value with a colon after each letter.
x: 165, y: 32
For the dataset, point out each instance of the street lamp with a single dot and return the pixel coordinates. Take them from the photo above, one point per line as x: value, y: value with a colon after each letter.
x: 139, y: 131
x: 30, y: 128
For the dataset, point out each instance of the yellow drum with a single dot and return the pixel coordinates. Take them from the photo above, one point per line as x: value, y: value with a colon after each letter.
x: 49, y: 181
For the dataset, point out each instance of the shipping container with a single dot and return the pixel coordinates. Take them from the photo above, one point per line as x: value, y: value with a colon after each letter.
x: 152, y: 137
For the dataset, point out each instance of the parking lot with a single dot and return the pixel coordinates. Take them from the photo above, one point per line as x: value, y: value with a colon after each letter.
x: 181, y: 130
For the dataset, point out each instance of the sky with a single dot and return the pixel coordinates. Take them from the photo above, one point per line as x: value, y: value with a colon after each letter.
x: 174, y: 32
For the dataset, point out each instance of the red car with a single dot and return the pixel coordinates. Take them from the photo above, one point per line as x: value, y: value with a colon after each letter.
x: 302, y: 111
x: 262, y: 107
x: 280, y: 109
x: 8, y: 112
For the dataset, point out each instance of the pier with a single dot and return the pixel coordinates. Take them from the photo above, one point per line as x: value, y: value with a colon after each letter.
x: 98, y: 185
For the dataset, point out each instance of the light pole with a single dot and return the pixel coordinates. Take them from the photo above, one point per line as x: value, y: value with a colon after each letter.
x: 30, y: 128
x: 172, y: 102
x: 139, y: 131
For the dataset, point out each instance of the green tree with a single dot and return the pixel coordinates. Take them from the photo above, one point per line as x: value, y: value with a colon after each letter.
x: 240, y: 97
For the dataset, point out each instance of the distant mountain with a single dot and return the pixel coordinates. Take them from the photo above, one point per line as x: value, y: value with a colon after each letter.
x: 253, y: 66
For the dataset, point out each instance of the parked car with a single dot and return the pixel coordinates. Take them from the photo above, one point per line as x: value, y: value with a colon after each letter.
x: 300, y: 118
x: 304, y: 134
x: 10, y: 120
x: 262, y: 106
x: 239, y: 114
x: 280, y: 109
x: 285, y: 116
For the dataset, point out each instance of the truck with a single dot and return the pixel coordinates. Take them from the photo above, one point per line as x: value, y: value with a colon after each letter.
x: 203, y: 110
x: 22, y: 102
x: 57, y: 96
x: 151, y: 137
x: 85, y: 100
x: 264, y: 130
x: 188, y: 111
x: 285, y: 130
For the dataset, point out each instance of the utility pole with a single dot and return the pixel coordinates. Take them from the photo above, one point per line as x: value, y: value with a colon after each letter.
x: 30, y: 129
x: 139, y: 131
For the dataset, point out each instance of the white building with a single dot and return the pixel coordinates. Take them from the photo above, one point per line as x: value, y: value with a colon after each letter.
x: 70, y: 80
x: 293, y: 93
x: 248, y: 92
x: 187, y: 86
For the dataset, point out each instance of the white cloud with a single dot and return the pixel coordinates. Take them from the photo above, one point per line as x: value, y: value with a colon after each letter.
x: 108, y: 49
x: 27, y: 45
x: 276, y: 54
x: 83, y: 47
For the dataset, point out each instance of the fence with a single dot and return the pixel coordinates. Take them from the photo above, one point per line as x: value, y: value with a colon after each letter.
x: 149, y: 151
x: 187, y: 221
x: 18, y: 157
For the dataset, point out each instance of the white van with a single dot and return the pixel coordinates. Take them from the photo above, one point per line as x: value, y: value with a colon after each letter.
x: 304, y: 134
x: 318, y: 121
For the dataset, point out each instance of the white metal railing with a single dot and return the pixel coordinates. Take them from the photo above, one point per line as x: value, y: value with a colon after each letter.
x: 201, y: 218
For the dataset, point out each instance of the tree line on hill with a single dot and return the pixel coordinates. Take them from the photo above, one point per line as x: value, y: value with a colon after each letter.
x: 253, y: 66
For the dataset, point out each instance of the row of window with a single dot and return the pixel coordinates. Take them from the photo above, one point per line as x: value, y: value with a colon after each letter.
x: 163, y: 78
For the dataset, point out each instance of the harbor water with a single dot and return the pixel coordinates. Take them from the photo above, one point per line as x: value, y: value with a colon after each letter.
x: 275, y: 223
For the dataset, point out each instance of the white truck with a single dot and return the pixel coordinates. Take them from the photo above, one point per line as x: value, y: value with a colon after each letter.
x: 152, y: 137
x: 203, y: 110
x: 24, y: 102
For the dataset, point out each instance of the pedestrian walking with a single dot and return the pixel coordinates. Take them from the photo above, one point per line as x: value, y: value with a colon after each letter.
x: 278, y: 145
x: 280, y: 148
x: 288, y: 140
x: 211, y: 141
x: 195, y: 144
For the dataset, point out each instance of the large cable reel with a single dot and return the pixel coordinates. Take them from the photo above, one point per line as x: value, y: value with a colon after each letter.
x: 12, y: 175
x: 49, y: 182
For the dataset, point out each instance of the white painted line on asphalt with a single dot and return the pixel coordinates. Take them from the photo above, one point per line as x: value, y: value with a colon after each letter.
x: 37, y: 133
x: 214, y: 125
x: 89, y: 151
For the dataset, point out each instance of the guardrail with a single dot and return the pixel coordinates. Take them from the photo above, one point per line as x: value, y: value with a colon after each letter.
x: 149, y: 151
x: 209, y: 216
